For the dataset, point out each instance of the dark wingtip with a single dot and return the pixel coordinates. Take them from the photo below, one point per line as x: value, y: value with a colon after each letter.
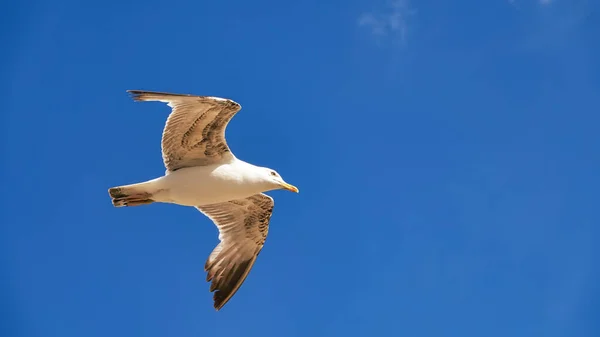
x: 136, y: 94
x: 219, y: 301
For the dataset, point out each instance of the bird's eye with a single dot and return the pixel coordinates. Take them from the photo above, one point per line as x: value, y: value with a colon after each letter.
x: 273, y: 174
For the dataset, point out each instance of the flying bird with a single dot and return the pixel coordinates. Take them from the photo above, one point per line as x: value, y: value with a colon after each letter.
x: 202, y: 172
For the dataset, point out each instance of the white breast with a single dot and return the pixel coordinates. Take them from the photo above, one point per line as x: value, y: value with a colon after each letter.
x: 204, y: 185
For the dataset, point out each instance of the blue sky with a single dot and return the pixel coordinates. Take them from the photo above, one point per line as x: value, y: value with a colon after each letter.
x: 446, y: 154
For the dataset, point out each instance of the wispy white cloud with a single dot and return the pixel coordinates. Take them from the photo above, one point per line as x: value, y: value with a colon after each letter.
x: 392, y: 21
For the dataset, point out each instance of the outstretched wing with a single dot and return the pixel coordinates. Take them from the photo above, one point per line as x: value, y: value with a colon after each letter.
x: 194, y: 134
x: 243, y: 226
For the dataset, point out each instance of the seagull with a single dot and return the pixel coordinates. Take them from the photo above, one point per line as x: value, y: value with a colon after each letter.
x: 202, y: 172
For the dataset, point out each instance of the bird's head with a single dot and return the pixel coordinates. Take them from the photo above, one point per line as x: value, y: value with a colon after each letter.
x: 276, y: 181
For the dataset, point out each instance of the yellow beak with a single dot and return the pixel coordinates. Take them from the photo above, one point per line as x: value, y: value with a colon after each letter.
x: 289, y: 187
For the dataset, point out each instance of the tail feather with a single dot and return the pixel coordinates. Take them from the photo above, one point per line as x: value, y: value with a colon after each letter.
x: 130, y: 195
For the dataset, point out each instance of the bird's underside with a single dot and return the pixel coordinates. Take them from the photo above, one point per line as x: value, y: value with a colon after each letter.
x: 194, y: 135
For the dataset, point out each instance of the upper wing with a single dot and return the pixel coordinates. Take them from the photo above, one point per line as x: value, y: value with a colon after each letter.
x: 243, y: 226
x: 194, y: 134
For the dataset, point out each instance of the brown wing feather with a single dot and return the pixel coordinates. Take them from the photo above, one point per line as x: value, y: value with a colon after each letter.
x: 194, y: 134
x: 243, y: 227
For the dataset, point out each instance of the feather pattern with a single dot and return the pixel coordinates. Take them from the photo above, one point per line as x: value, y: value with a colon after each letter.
x: 194, y: 134
x: 243, y: 227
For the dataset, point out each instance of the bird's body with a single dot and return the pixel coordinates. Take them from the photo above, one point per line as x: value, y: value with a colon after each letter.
x: 205, y: 185
x: 203, y: 173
